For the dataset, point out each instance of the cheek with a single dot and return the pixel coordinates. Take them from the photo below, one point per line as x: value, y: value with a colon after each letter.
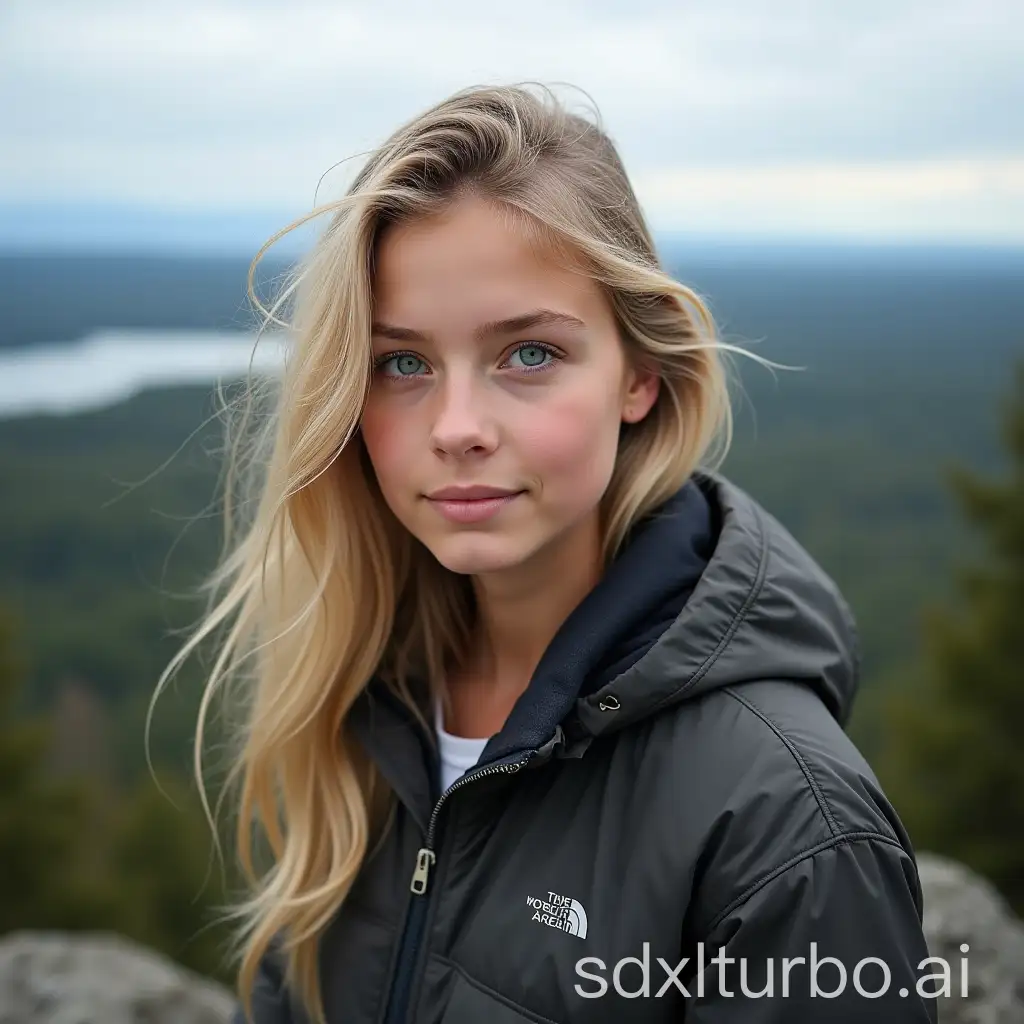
x: 386, y: 444
x: 571, y: 439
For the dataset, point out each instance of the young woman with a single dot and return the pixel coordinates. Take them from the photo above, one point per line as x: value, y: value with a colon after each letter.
x: 544, y: 715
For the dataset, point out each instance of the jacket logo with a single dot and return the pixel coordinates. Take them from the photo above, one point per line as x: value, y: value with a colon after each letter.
x: 561, y: 912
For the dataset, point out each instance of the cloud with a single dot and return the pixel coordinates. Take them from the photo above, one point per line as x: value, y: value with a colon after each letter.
x: 735, y: 113
x: 927, y: 199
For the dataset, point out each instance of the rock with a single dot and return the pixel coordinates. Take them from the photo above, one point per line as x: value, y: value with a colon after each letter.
x: 99, y: 978
x: 961, y: 907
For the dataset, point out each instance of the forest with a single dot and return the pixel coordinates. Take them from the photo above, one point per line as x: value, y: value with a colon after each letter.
x: 895, y: 454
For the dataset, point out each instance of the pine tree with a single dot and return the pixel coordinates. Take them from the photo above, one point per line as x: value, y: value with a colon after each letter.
x: 956, y: 763
x: 171, y: 886
x: 76, y: 857
x: 41, y: 821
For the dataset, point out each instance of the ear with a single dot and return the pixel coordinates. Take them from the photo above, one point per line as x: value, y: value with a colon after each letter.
x: 642, y: 388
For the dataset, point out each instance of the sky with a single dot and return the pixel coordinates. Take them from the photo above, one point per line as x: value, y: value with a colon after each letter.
x: 838, y: 119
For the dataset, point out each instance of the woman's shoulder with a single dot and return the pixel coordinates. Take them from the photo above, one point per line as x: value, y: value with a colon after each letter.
x: 773, y: 747
x: 762, y: 776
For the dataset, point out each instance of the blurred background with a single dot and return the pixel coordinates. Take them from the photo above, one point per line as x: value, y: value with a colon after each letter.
x: 844, y: 184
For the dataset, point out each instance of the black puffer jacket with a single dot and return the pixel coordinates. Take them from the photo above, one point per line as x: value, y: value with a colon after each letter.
x: 674, y: 786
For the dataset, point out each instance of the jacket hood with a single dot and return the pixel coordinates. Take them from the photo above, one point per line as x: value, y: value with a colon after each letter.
x: 762, y: 609
x: 708, y: 590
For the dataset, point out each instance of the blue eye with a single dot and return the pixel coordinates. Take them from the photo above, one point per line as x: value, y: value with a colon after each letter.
x: 532, y: 355
x: 405, y: 363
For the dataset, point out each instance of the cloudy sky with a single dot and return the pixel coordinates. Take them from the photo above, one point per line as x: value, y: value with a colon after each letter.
x: 843, y: 118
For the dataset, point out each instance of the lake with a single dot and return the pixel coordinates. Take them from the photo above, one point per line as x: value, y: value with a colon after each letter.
x: 108, y: 366
x: 82, y: 332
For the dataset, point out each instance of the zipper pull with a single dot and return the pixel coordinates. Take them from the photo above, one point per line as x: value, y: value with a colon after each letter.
x: 424, y: 860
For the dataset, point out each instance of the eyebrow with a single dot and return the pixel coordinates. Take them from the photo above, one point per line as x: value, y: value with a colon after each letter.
x: 511, y: 325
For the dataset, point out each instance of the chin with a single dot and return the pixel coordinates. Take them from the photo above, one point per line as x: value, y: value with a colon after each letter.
x: 472, y: 555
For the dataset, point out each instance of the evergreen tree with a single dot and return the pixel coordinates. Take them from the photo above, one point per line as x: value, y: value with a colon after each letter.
x: 171, y: 885
x: 42, y: 821
x: 75, y: 855
x: 955, y: 767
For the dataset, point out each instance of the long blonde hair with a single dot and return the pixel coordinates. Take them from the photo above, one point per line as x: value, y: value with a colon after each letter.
x: 318, y: 588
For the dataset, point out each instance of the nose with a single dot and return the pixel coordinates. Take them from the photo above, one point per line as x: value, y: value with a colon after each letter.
x: 461, y: 423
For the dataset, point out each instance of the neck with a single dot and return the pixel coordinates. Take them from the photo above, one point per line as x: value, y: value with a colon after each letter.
x: 521, y: 609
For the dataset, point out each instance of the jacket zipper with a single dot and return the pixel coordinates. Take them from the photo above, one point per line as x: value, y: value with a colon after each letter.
x: 419, y: 886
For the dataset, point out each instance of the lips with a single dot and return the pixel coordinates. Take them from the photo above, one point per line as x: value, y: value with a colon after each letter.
x: 488, y: 502
x: 477, y: 492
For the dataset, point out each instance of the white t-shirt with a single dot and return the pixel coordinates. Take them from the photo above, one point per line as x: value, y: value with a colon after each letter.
x: 458, y: 753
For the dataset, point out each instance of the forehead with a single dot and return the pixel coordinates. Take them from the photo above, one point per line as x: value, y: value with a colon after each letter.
x: 471, y: 264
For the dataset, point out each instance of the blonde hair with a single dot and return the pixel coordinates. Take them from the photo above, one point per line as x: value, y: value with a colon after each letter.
x: 318, y: 588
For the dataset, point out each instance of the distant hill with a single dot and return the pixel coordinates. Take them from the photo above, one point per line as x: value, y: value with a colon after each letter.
x: 798, y: 298
x: 54, y: 298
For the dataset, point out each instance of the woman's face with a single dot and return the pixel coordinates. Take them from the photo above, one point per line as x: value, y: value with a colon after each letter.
x: 496, y: 369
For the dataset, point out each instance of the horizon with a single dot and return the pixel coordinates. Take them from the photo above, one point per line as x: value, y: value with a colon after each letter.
x: 117, y: 229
